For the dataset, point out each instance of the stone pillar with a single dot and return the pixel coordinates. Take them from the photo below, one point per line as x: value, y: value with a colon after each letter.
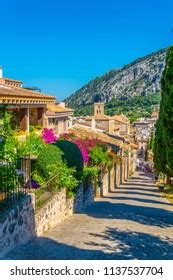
x: 24, y: 119
x: 112, y: 179
x: 122, y: 172
x: 129, y: 167
x: 104, y: 185
x: 125, y: 169
x: 40, y: 113
x: 45, y: 121
x: 111, y: 127
x: 65, y: 125
x: 93, y: 124
x: 70, y: 122
x: 118, y: 175
x: 115, y: 175
x: 134, y: 160
x: 27, y: 119
x: 22, y: 116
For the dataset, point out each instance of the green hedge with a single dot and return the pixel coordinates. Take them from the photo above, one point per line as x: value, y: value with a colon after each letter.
x: 50, y: 164
x: 72, y: 155
x: 49, y: 158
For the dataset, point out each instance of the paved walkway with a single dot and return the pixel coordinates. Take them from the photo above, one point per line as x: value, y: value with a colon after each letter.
x: 134, y: 222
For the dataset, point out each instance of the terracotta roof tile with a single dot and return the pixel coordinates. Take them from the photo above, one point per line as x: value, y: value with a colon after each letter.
x: 54, y: 108
x: 121, y: 119
x: 84, y: 132
x: 7, y: 92
x: 98, y: 117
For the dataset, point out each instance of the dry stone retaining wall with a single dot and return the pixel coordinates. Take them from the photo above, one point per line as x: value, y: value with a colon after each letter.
x: 17, y: 225
x: 88, y: 195
x: 21, y: 223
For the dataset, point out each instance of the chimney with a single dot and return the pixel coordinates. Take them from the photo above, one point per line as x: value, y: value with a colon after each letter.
x: 1, y: 72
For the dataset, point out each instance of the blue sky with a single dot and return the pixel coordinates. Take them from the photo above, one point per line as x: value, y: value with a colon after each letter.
x: 60, y: 45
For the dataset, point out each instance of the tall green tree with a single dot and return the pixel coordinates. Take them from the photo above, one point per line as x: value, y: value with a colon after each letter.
x: 8, y: 142
x: 163, y: 147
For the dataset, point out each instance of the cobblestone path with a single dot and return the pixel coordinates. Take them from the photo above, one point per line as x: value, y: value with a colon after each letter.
x: 134, y: 222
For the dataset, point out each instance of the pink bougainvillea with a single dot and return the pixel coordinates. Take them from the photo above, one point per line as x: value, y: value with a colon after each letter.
x: 84, y: 144
x: 67, y: 136
x: 48, y: 135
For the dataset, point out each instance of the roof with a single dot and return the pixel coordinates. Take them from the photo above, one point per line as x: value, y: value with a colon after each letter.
x: 98, y: 117
x: 10, y: 80
x: 121, y: 119
x: 126, y: 139
x: 102, y: 117
x: 84, y: 132
x: 118, y: 137
x: 54, y: 108
x: 17, y: 93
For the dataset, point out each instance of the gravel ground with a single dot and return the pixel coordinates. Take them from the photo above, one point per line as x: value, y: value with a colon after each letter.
x: 133, y: 222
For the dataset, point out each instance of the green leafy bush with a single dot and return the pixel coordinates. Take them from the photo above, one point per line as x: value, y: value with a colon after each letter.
x: 99, y: 156
x: 8, y: 177
x: 90, y: 173
x: 49, y: 166
x: 9, y: 143
x: 31, y: 146
x: 72, y: 155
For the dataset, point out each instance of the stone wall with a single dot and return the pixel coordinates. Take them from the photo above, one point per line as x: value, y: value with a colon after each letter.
x: 22, y: 223
x: 105, y: 185
x: 17, y: 225
x: 52, y: 213
x: 58, y: 209
x: 78, y: 201
x: 110, y: 180
x: 88, y: 195
x: 118, y: 175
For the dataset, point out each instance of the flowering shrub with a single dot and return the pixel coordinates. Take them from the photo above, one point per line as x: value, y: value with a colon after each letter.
x: 48, y: 135
x: 67, y: 136
x: 84, y: 145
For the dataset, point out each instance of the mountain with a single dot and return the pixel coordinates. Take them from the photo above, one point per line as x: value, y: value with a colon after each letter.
x: 140, y: 78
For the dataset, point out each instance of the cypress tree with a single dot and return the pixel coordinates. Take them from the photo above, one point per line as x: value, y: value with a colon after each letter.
x: 163, y: 147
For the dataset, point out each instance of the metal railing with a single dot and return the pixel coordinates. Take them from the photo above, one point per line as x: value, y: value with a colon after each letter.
x: 46, y: 191
x: 12, y: 185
